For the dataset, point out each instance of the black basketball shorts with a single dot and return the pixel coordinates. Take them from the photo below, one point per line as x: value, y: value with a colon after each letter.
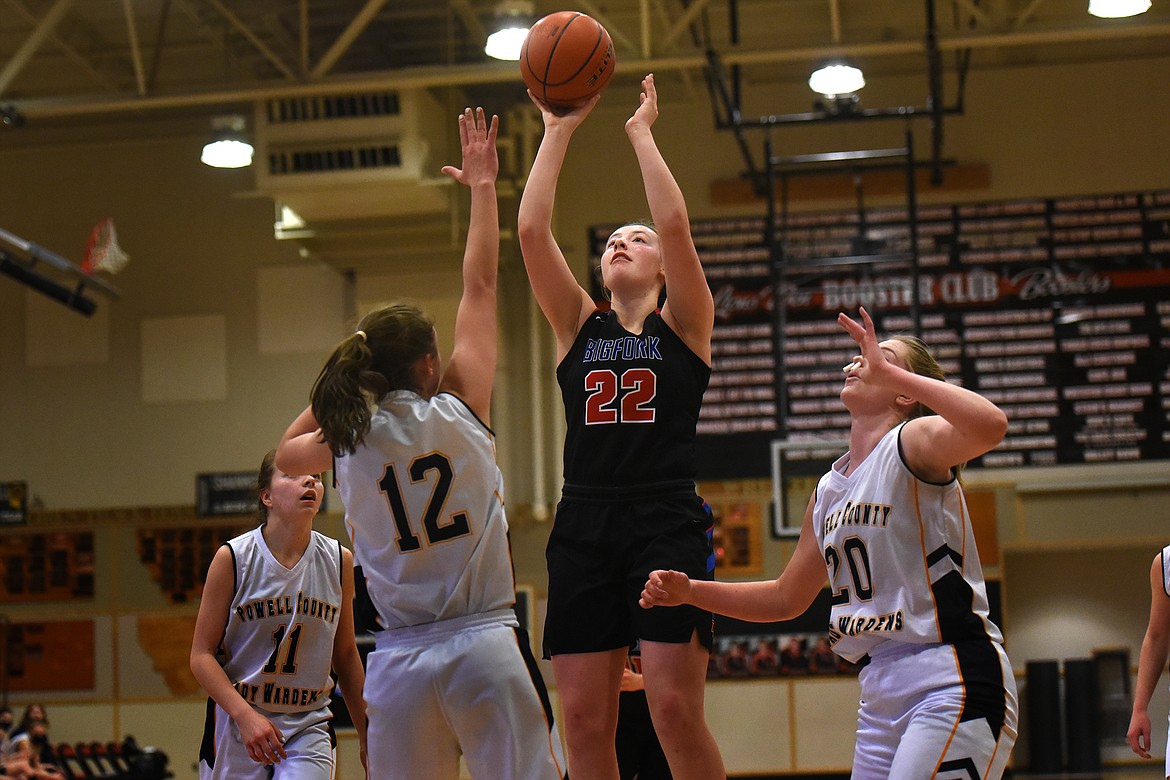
x: 600, y: 553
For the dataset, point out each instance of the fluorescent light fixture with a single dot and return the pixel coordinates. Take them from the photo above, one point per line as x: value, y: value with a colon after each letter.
x: 230, y: 147
x: 836, y: 79
x: 505, y: 43
x: 1116, y: 9
x: 513, y: 19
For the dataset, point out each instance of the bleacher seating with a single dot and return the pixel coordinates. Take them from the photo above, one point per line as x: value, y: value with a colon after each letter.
x: 124, y: 760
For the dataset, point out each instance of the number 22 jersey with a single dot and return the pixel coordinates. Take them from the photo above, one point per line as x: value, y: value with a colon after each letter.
x: 631, y: 404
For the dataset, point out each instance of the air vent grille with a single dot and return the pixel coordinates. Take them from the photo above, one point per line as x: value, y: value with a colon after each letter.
x: 348, y: 158
x: 327, y: 107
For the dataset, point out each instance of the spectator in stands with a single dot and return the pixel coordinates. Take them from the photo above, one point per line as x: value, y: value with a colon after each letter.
x: 794, y: 658
x: 735, y: 659
x: 30, y: 755
x: 822, y: 659
x: 766, y: 658
x: 7, y: 721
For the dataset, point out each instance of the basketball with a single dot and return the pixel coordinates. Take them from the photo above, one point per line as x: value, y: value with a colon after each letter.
x: 567, y: 58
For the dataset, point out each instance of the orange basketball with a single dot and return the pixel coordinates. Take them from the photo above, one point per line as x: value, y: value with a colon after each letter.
x: 567, y: 58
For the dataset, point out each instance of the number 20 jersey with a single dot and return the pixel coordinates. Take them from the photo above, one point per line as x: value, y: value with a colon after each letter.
x: 900, y: 554
x: 631, y: 404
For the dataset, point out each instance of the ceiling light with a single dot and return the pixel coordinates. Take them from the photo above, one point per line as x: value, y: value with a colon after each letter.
x: 513, y: 19
x: 1115, y: 9
x: 836, y: 79
x: 10, y: 117
x: 230, y: 147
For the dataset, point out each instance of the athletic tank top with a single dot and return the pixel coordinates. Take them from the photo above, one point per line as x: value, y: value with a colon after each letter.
x: 900, y: 555
x: 278, y: 644
x: 631, y: 404
x: 424, y: 506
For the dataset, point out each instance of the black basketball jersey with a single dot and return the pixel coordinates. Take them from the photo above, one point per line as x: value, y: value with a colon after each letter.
x: 631, y: 404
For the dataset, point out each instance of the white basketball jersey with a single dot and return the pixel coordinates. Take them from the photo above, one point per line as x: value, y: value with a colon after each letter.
x: 900, y: 554
x: 424, y: 505
x: 1166, y: 569
x: 278, y: 644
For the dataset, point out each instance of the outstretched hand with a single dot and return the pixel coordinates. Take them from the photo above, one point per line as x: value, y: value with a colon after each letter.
x: 647, y: 110
x: 477, y: 139
x: 665, y: 588
x: 872, y: 365
x: 569, y: 118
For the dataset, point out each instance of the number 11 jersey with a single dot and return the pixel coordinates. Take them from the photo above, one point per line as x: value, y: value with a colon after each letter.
x: 278, y: 642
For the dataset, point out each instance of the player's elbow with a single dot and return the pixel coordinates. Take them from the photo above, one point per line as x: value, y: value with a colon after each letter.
x: 998, y: 425
x: 994, y: 428
x: 531, y: 232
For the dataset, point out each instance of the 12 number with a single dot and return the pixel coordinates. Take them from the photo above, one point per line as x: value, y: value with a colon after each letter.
x: 458, y: 524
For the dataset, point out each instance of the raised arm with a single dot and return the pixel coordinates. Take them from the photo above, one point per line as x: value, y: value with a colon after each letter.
x: 301, y: 449
x: 471, y: 372
x: 1151, y: 662
x: 263, y: 740
x: 689, y: 308
x: 965, y: 424
x: 558, y: 293
x: 783, y: 598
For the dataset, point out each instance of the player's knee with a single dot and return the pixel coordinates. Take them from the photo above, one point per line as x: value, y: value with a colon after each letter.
x: 586, y: 726
x: 674, y: 712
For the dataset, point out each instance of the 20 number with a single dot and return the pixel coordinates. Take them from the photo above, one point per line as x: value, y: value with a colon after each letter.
x: 856, y: 558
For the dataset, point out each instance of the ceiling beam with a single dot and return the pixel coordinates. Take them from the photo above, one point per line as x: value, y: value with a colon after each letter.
x: 160, y: 34
x: 499, y: 73
x: 683, y: 22
x: 471, y: 22
x: 254, y: 39
x: 835, y: 20
x: 1026, y: 14
x: 135, y: 51
x: 43, y: 29
x: 347, y: 37
x: 589, y: 7
x: 975, y: 11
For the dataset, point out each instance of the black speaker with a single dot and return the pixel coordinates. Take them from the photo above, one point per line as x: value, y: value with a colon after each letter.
x: 1080, y: 715
x: 1043, y: 694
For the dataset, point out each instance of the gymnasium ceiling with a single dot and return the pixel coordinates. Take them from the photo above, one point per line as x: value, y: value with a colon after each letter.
x: 63, y: 59
x: 122, y: 68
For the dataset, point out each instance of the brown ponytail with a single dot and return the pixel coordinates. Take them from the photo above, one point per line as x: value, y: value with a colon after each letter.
x: 364, y: 367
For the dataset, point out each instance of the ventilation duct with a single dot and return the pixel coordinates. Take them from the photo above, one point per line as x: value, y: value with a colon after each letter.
x: 351, y: 156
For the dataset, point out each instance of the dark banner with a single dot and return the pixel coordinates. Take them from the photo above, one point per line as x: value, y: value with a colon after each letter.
x: 225, y: 493
x: 1057, y: 310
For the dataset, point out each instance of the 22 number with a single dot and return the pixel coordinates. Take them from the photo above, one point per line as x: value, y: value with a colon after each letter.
x: 457, y: 525
x: 638, y: 387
